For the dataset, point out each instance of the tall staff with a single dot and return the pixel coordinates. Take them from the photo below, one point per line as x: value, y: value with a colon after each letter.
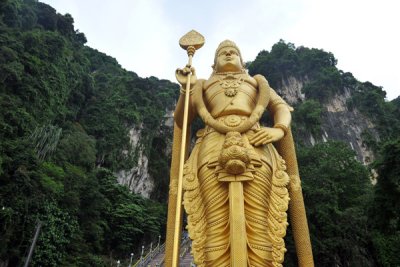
x: 191, y: 42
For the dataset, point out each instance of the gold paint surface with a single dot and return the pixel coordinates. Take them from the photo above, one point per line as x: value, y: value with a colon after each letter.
x: 240, y: 176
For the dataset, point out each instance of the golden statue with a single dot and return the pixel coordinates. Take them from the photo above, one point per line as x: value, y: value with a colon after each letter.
x: 240, y: 176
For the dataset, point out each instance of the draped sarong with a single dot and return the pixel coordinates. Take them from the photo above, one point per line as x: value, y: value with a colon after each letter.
x: 206, y: 201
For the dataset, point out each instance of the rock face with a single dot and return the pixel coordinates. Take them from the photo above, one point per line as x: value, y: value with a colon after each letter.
x: 291, y: 90
x: 348, y: 126
x: 337, y: 123
x: 137, y: 178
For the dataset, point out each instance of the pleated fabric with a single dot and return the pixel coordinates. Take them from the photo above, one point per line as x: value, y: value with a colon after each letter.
x: 206, y: 201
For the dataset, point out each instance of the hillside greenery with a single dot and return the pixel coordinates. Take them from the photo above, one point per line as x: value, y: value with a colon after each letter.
x: 66, y: 113
x: 322, y: 81
x: 352, y: 223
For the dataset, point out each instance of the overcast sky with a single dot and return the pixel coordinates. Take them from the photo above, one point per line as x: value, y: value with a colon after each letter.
x: 143, y: 35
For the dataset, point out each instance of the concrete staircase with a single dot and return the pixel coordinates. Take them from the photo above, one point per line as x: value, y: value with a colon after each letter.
x: 185, y: 256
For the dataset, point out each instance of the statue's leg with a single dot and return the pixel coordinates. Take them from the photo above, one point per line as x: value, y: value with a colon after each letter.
x: 257, y: 197
x: 216, y: 201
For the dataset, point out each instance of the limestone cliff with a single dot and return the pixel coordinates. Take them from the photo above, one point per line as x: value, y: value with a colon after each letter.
x: 338, y: 122
x: 140, y: 178
x: 137, y: 178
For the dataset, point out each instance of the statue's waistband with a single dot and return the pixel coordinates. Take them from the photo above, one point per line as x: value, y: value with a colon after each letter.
x: 228, y: 120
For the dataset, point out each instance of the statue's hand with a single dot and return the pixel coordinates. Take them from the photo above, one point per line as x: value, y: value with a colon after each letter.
x: 182, y: 76
x: 266, y: 135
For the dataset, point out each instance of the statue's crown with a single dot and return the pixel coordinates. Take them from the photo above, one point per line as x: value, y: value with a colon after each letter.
x: 227, y: 43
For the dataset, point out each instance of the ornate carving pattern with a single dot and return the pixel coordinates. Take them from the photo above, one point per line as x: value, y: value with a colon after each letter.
x: 231, y: 84
x: 192, y: 38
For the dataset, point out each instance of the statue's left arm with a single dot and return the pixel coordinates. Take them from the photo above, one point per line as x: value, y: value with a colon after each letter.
x: 281, y: 111
x: 282, y: 118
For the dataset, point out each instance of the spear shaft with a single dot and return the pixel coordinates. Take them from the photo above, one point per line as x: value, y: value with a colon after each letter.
x: 178, y: 215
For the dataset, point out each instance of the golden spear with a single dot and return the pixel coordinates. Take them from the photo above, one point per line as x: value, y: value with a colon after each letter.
x: 191, y: 42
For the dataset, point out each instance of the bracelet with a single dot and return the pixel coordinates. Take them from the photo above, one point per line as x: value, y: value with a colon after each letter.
x: 283, y: 127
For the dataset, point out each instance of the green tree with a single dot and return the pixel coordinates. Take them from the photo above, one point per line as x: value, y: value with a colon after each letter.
x: 336, y: 190
x: 307, y: 118
x: 58, y: 228
x: 385, y: 211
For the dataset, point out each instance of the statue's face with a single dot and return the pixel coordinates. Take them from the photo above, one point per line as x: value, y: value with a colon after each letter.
x: 228, y: 59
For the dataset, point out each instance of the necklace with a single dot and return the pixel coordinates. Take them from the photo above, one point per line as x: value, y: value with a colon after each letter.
x: 230, y: 83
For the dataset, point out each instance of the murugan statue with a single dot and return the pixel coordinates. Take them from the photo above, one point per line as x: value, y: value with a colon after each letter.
x: 240, y: 176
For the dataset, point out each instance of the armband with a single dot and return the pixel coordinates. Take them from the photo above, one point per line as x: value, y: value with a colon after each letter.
x: 283, y: 127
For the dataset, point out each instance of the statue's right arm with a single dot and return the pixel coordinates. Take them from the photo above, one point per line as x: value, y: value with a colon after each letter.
x: 180, y: 107
x: 196, y: 91
x: 182, y: 76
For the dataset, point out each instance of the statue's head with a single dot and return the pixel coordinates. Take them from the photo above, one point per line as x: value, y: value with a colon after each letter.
x: 228, y: 58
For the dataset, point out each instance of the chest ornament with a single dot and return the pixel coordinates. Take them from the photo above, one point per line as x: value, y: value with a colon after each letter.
x: 230, y: 84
